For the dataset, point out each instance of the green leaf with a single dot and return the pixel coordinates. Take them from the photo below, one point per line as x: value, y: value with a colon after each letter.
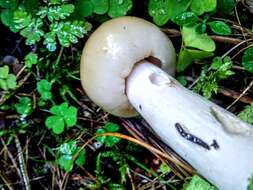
x: 66, y: 162
x: 56, y: 123
x: 119, y: 8
x: 60, y: 12
x: 220, y: 27
x: 247, y: 60
x: 101, y: 139
x: 4, y: 71
x: 197, y: 183
x: 225, y: 6
x: 164, y: 168
x: 198, y: 54
x: 109, y: 141
x: 8, y: 4
x: 85, y: 7
x: 200, y: 7
x: 80, y: 160
x: 31, y: 59
x: 59, y: 109
x: 44, y: 88
x: 184, y: 60
x: 31, y: 6
x: 182, y: 80
x: 3, y: 84
x: 200, y: 41
x: 164, y: 10
x: 100, y: 6
x: 186, y: 18
x: 247, y: 114
x: 68, y: 147
x: 21, y: 19
x: 33, y: 32
x: 69, y: 32
x: 11, y: 81
x: 216, y: 63
x: 24, y: 106
x: 187, y: 56
x: 50, y: 41
x: 7, y: 17
x: 70, y: 116
x: 111, y: 127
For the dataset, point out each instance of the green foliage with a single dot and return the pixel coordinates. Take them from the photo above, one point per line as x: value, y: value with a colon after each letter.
x: 198, y: 183
x: 66, y: 153
x: 100, y: 6
x: 186, y: 19
x: 164, y: 10
x: 31, y: 59
x: 113, y: 8
x: 247, y: 114
x: 63, y: 115
x: 164, y: 168
x: 200, y: 7
x: 7, y: 80
x: 44, y: 89
x: 209, y: 78
x: 182, y: 80
x: 118, y: 158
x: 24, y: 106
x: 220, y: 27
x: 194, y: 39
x: 119, y: 8
x: 247, y: 60
x: 186, y: 57
x: 52, y: 23
x: 250, y: 185
x: 8, y: 4
x: 108, y: 141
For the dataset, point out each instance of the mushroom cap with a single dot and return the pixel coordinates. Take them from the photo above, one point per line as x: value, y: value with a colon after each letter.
x: 110, y: 54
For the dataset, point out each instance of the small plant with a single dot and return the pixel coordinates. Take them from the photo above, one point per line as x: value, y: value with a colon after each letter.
x: 247, y: 114
x: 24, y: 106
x: 44, y: 89
x: 208, y: 82
x: 197, y: 183
x: 108, y: 141
x: 247, y: 60
x: 7, y: 80
x: 66, y: 153
x: 63, y: 115
x: 31, y: 59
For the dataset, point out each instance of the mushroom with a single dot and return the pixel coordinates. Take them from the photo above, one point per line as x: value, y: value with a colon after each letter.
x: 122, y: 71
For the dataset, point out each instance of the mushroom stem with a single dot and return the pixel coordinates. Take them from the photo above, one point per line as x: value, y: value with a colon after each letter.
x: 215, y: 142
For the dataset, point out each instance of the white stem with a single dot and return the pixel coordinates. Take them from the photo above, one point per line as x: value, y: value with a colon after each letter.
x: 223, y: 148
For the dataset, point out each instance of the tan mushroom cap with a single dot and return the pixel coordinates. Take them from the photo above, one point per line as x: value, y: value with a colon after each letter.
x: 110, y: 54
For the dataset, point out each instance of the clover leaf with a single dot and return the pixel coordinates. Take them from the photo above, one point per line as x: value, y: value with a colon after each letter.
x: 247, y: 60
x: 194, y: 39
x: 66, y: 152
x: 109, y: 141
x: 164, y: 10
x: 24, y: 106
x: 119, y: 8
x: 7, y: 81
x: 200, y: 7
x: 44, y: 88
x: 62, y: 115
x: 31, y: 59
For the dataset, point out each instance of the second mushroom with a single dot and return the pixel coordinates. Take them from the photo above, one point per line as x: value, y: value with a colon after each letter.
x: 121, y: 71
